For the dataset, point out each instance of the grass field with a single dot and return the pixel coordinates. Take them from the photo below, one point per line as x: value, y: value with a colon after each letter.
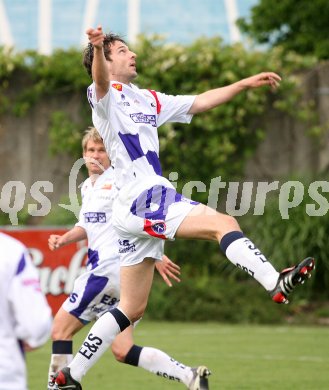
x: 239, y: 356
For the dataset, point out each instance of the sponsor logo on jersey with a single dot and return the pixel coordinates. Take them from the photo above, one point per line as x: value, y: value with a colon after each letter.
x: 118, y: 87
x: 126, y: 246
x: 95, y: 217
x: 139, y: 117
x: 155, y: 228
x: 106, y: 303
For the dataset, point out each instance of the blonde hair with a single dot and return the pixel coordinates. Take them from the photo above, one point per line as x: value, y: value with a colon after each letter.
x: 91, y: 134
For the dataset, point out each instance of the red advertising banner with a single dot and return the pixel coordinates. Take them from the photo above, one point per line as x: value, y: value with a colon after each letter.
x: 58, y: 269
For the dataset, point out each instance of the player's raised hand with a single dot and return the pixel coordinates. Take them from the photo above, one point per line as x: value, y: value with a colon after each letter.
x: 96, y: 36
x: 168, y: 270
x: 265, y: 78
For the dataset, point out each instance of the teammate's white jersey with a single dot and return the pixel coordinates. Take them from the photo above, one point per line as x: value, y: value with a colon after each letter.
x: 127, y: 119
x: 98, y: 289
x: 96, y: 216
x: 24, y: 312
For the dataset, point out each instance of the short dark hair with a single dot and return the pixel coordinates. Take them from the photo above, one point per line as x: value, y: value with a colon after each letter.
x: 88, y: 54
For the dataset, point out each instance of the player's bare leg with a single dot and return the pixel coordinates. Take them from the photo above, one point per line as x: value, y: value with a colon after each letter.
x: 135, y: 286
x: 204, y: 223
x: 65, y: 326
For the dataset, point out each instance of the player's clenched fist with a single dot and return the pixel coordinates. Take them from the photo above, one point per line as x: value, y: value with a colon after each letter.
x: 96, y: 36
x: 53, y: 242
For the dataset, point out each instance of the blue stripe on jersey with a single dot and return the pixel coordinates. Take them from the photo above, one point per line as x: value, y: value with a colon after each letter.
x: 93, y: 258
x: 153, y: 160
x: 160, y: 195
x: 133, y: 146
x: 94, y: 286
x: 21, y: 265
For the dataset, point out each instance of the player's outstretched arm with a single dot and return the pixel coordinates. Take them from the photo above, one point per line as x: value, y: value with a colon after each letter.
x: 76, y: 234
x: 168, y: 270
x: 215, y: 97
x: 100, y: 70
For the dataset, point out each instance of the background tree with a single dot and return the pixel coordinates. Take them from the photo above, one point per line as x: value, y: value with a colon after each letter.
x: 301, y: 26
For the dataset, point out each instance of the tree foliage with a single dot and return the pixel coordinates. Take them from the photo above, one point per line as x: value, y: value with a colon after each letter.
x: 301, y: 26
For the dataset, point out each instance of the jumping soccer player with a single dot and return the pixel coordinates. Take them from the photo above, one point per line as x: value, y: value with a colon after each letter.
x: 147, y: 208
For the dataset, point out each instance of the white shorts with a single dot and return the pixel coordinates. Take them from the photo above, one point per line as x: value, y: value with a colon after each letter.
x: 95, y: 292
x: 144, y: 215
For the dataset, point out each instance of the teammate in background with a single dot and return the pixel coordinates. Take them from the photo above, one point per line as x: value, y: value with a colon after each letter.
x: 24, y: 312
x: 147, y: 208
x: 97, y: 290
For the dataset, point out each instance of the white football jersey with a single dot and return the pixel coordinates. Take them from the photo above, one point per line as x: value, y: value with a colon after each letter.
x: 127, y: 119
x: 96, y: 218
x: 24, y: 312
x: 98, y: 289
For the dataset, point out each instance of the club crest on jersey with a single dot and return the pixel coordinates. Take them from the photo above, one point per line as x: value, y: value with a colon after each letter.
x: 107, y: 186
x: 155, y: 228
x: 117, y: 86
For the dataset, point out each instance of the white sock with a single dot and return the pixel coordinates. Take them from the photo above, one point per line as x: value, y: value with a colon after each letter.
x: 61, y: 357
x: 161, y: 364
x: 244, y: 254
x: 98, y: 340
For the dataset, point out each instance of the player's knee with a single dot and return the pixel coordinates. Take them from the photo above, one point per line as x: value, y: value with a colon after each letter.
x: 137, y: 315
x: 226, y: 224
x: 59, y: 333
x: 134, y: 314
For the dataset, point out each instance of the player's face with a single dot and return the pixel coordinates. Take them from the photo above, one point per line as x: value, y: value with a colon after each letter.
x: 123, y: 63
x: 96, y: 158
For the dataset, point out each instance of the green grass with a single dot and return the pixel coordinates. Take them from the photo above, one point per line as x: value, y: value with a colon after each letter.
x: 240, y: 357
